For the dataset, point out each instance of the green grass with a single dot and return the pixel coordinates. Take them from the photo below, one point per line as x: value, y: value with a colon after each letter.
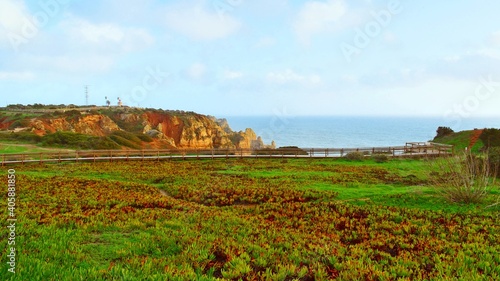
x: 460, y: 141
x: 13, y: 147
x: 317, y: 177
x: 247, y: 219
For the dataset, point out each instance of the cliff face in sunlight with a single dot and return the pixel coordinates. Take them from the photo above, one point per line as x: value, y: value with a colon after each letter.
x: 168, y: 129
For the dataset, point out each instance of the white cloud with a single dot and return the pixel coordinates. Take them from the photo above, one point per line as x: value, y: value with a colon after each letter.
x: 19, y: 76
x: 491, y: 53
x: 196, y: 23
x: 265, y: 42
x: 454, y: 58
x: 96, y: 32
x: 197, y: 70
x: 349, y: 78
x: 107, y: 34
x: 230, y: 75
x: 316, y: 17
x: 495, y: 38
x: 393, y: 77
x: 13, y: 16
x: 289, y: 76
x: 137, y: 38
x: 71, y: 64
x: 390, y: 37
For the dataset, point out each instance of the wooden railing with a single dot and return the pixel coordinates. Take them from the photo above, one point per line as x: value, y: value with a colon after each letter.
x: 424, y: 149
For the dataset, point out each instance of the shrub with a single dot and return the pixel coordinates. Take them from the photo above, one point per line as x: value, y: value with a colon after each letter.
x: 380, y: 158
x: 73, y: 115
x: 236, y: 138
x: 462, y: 178
x: 78, y: 141
x: 355, y: 156
x: 21, y: 136
x: 102, y: 143
x: 443, y: 131
x: 26, y: 136
x: 66, y: 139
x: 144, y: 137
x: 494, y: 160
x: 124, y: 142
x: 23, y: 123
x: 491, y: 137
x: 128, y: 136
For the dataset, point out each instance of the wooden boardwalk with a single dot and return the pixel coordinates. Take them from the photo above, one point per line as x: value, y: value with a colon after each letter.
x: 409, y: 150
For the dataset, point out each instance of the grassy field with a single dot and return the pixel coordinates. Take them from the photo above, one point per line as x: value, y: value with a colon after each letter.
x: 18, y: 148
x: 461, y: 140
x: 246, y: 219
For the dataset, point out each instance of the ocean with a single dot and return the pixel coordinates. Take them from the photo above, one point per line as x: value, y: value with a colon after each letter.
x: 351, y: 132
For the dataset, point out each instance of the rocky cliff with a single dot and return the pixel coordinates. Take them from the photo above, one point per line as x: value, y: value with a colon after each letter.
x: 172, y: 129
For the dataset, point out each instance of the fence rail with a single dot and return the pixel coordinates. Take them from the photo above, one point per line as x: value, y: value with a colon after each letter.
x: 409, y: 150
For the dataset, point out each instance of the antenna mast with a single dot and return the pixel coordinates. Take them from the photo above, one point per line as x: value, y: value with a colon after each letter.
x: 87, y: 94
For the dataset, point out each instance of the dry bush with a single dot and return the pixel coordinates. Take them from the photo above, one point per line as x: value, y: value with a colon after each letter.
x: 464, y: 178
x: 355, y: 156
x: 380, y: 158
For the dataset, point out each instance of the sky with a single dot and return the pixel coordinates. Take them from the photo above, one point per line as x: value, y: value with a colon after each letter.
x: 242, y: 57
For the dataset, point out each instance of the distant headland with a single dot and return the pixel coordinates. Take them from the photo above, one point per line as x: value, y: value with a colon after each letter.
x: 121, y: 127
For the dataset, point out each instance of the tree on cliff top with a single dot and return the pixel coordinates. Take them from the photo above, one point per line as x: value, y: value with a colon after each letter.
x: 443, y: 131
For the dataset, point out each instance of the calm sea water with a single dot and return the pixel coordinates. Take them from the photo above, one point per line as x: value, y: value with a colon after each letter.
x: 345, y: 132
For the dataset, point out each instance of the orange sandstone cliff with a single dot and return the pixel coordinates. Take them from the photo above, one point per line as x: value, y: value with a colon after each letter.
x: 175, y: 129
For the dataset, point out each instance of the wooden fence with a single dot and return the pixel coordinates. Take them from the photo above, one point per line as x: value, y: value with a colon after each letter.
x: 409, y: 150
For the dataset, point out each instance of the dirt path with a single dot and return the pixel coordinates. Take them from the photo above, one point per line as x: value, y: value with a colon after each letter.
x: 474, y: 138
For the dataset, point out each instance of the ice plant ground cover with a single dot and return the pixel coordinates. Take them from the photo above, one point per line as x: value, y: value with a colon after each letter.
x: 249, y: 219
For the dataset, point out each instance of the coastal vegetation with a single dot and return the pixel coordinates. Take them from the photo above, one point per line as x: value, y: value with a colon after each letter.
x: 248, y: 219
x: 362, y: 216
x: 120, y: 127
x: 464, y: 178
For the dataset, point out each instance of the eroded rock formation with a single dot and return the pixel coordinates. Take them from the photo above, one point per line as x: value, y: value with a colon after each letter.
x: 173, y: 129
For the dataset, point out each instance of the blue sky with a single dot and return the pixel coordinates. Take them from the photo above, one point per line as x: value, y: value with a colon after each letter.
x: 242, y: 57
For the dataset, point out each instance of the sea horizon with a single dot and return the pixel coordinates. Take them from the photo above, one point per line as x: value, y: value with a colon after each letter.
x: 352, y: 131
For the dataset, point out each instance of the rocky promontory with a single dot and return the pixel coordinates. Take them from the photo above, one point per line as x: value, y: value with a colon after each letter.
x: 165, y: 128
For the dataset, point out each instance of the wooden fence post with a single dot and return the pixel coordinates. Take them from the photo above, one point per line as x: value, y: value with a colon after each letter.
x: 86, y: 156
